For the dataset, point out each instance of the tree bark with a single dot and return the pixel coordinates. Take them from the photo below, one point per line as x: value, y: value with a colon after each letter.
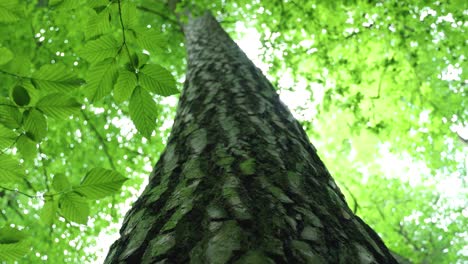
x: 239, y: 181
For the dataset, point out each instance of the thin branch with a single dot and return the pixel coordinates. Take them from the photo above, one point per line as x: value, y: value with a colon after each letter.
x: 356, y: 204
x: 4, y: 217
x: 135, y: 152
x: 19, y: 192
x: 29, y: 184
x: 101, y: 140
x: 408, y: 240
x: 382, y: 75
x: 379, y: 210
x: 121, y: 23
x: 106, y: 152
x: 142, y: 8
x: 124, y: 39
x: 44, y: 170
x: 14, y: 208
x: 13, y: 74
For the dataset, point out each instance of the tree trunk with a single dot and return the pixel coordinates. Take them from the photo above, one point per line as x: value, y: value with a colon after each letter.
x: 239, y: 181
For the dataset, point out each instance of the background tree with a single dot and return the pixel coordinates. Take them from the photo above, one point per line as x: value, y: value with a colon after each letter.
x: 388, y: 74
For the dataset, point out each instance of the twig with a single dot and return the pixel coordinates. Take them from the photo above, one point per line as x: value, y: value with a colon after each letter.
x: 382, y: 75
x: 408, y: 240
x: 124, y: 39
x: 101, y: 140
x: 356, y: 204
x: 14, y: 208
x: 142, y: 8
x: 13, y: 74
x: 379, y: 210
x: 106, y: 152
x: 20, y: 192
x: 4, y: 217
x: 44, y: 170
x: 29, y: 184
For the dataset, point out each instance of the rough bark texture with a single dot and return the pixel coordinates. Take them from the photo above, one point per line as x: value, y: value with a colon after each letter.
x: 239, y: 181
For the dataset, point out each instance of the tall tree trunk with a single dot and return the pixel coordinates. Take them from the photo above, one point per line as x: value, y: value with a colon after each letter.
x: 239, y: 181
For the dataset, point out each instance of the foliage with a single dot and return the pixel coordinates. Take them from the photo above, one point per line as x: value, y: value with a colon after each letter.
x: 380, y: 88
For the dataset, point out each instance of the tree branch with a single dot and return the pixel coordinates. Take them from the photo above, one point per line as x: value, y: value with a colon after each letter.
x: 14, y: 75
x: 101, y: 140
x: 124, y: 39
x: 44, y: 170
x: 19, y: 192
x: 406, y: 237
x: 356, y: 204
x: 169, y: 19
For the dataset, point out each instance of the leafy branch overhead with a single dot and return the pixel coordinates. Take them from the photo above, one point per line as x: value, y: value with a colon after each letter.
x: 73, y: 199
x: 108, y: 54
x: 115, y: 46
x: 117, y: 65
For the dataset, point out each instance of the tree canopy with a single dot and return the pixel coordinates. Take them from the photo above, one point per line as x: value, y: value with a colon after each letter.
x: 88, y: 91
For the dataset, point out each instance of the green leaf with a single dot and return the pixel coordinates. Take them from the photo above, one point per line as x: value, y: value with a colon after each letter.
x: 149, y: 39
x: 35, y: 124
x: 58, y: 105
x: 20, y: 65
x: 98, y: 24
x: 5, y: 55
x: 10, y: 116
x: 143, y: 111
x: 27, y: 147
x: 7, y: 11
x: 10, y: 169
x: 126, y: 83
x: 49, y: 210
x: 9, y: 4
x: 20, y: 95
x: 156, y: 79
x: 33, y: 93
x: 129, y: 14
x: 55, y: 78
x: 60, y: 183
x: 7, y: 137
x: 74, y: 207
x: 142, y: 59
x: 14, y: 251
x: 99, y: 183
x: 12, y: 246
x: 100, y: 49
x: 9, y: 235
x: 101, y: 78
